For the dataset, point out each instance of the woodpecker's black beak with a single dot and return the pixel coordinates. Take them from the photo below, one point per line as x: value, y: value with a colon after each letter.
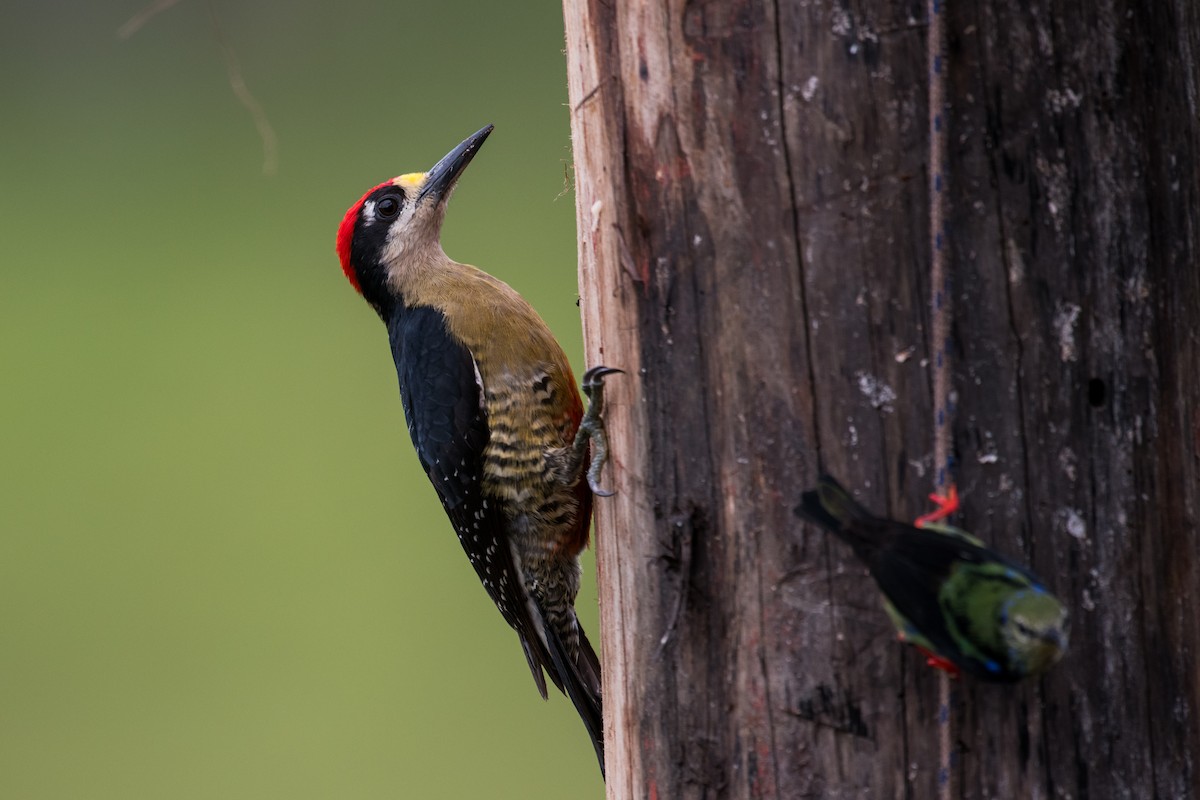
x: 441, y: 179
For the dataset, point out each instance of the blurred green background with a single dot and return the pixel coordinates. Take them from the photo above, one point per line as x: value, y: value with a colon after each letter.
x: 222, y: 572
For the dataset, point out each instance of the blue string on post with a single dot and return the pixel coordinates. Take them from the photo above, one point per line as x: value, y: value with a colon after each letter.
x: 940, y: 288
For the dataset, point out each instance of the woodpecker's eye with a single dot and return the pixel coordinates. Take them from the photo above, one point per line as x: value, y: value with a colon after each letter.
x: 388, y: 207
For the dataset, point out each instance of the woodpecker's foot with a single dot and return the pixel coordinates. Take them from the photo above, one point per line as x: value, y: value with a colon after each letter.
x: 591, y: 427
x: 945, y: 507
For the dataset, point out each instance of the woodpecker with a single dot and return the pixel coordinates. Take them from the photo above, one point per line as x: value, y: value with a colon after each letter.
x: 495, y: 417
x: 965, y: 606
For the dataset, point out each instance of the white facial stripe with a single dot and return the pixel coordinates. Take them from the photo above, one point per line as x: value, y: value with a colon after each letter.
x: 368, y: 213
x: 413, y: 234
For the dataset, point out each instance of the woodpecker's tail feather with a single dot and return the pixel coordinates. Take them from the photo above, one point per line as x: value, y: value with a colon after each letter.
x: 580, y: 681
x: 536, y: 659
x: 588, y: 663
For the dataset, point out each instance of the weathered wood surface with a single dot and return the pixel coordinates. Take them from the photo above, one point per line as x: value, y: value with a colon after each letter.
x: 751, y: 197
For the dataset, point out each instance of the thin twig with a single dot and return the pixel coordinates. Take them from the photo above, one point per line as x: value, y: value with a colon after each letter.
x: 266, y: 133
x: 142, y: 17
x: 270, y: 142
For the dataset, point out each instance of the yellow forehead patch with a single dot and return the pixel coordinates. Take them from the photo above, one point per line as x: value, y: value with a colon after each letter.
x: 410, y: 180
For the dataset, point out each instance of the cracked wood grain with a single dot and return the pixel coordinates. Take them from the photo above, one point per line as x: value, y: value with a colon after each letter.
x: 752, y: 218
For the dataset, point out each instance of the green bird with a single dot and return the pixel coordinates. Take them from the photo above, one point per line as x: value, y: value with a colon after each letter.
x: 966, y: 606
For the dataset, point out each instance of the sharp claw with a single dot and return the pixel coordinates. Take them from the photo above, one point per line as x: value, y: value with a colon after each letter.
x: 592, y: 426
x: 594, y: 378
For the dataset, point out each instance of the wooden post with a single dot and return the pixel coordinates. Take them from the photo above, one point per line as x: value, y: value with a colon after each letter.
x: 750, y: 181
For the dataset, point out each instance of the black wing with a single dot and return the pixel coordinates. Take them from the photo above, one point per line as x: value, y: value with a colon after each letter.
x: 583, y: 691
x: 440, y: 390
x: 910, y: 571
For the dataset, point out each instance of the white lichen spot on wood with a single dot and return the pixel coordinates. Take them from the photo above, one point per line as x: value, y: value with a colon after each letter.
x: 1068, y: 462
x: 1058, y: 189
x: 1072, y: 520
x: 1066, y: 316
x: 1061, y: 100
x: 988, y: 454
x: 876, y: 391
x: 810, y: 88
x: 1086, y: 601
x: 841, y: 22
